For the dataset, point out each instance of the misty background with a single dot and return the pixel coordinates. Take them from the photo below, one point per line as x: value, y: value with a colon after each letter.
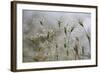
x: 68, y: 39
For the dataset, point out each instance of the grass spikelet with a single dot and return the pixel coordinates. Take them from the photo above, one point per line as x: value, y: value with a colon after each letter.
x: 72, y: 29
x: 65, y: 45
x: 80, y: 22
x: 88, y: 37
x: 59, y: 24
x: 41, y: 23
x: 65, y: 31
x: 83, y: 50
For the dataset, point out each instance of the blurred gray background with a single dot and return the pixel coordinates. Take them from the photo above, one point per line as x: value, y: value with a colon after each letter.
x: 37, y: 24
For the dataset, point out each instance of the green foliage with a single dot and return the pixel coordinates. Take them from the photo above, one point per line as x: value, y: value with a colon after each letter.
x: 50, y: 36
x: 65, y: 45
x: 65, y: 31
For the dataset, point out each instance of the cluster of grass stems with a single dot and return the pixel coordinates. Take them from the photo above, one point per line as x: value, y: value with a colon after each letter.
x: 50, y: 36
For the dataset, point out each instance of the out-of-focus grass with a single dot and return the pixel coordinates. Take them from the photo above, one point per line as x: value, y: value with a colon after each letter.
x: 47, y: 46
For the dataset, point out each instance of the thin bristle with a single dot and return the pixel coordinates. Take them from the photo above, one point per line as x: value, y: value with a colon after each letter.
x: 81, y: 23
x: 65, y: 30
x: 59, y: 24
x: 41, y: 22
x: 83, y: 50
x: 76, y: 49
x: 65, y: 45
x: 72, y: 29
x: 88, y: 37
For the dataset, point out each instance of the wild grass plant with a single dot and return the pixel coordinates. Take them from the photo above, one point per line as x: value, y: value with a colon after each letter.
x: 48, y: 42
